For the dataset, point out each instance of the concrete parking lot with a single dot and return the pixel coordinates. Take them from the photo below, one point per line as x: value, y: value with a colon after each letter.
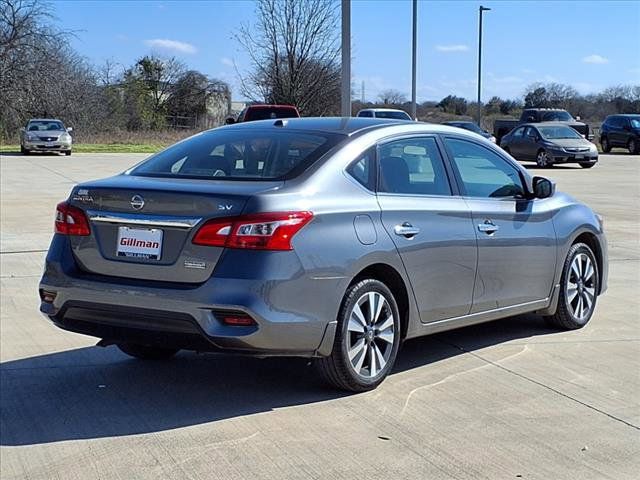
x: 510, y: 399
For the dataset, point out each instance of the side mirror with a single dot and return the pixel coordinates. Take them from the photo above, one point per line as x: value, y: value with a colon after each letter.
x: 23, y: 129
x: 229, y: 121
x: 69, y: 129
x: 543, y: 187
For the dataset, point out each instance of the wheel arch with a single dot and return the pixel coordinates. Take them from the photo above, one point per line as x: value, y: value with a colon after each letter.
x: 589, y: 239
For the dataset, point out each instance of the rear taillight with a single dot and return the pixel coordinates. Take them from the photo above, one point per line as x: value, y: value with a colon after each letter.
x: 262, y: 231
x: 71, y: 220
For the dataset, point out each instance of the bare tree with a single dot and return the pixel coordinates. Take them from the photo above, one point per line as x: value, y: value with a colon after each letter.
x: 392, y: 97
x: 294, y: 51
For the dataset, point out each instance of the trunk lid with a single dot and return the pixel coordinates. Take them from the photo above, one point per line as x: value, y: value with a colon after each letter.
x: 142, y: 227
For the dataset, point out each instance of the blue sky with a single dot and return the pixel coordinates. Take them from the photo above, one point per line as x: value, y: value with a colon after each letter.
x: 590, y: 45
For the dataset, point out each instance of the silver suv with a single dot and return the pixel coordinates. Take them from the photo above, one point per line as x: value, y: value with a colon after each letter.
x: 45, y: 135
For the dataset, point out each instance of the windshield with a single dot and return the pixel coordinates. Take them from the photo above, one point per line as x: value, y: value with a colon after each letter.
x: 247, y: 154
x: 393, y: 115
x: 559, y: 116
x: 557, y: 132
x: 44, y: 125
x: 469, y: 126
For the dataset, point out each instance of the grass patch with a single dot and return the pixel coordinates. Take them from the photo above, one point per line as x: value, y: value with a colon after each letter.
x: 100, y: 148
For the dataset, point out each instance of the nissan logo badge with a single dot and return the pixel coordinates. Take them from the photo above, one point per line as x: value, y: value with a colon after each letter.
x: 137, y: 202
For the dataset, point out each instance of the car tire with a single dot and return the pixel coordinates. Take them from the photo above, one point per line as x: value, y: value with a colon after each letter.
x: 578, y: 286
x: 588, y: 164
x: 542, y: 159
x: 67, y: 152
x: 633, y: 146
x: 606, y: 146
x: 145, y: 352
x: 367, y: 338
x: 23, y: 150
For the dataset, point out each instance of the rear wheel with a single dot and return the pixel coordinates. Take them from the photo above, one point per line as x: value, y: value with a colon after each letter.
x: 587, y: 164
x: 145, y: 352
x: 578, y: 289
x: 633, y: 146
x: 23, y: 150
x: 604, y: 143
x: 367, y: 338
x: 543, y: 160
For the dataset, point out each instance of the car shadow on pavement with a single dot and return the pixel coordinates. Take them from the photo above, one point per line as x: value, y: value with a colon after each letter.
x: 98, y: 392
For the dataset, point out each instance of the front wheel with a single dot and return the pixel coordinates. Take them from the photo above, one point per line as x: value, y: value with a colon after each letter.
x: 67, y: 152
x: 145, y: 352
x: 606, y: 146
x: 578, y: 289
x: 543, y: 160
x: 367, y: 338
x: 633, y: 147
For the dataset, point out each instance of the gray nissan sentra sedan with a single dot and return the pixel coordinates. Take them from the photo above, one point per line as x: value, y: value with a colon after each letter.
x: 330, y: 238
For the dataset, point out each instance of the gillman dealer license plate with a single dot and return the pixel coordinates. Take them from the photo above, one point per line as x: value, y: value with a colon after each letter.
x: 139, y: 243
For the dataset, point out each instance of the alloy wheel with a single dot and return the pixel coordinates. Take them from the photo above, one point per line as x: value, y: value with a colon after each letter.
x: 371, y: 334
x: 581, y: 288
x: 543, y: 159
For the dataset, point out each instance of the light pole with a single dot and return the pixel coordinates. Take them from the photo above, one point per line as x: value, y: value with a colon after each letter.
x: 346, y: 59
x: 481, y: 9
x: 414, y: 60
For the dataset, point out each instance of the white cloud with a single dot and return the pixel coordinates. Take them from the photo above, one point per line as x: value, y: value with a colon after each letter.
x: 174, y: 46
x: 452, y: 48
x: 598, y: 59
x: 226, y: 61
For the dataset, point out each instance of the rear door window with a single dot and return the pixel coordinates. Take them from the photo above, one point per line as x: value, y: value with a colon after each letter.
x: 412, y: 166
x: 237, y: 155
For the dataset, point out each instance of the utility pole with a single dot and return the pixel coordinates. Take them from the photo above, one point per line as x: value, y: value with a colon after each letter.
x: 480, y: 10
x: 346, y: 59
x: 362, y: 91
x: 414, y: 47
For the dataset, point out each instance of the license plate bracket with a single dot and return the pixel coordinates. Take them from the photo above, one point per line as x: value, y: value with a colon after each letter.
x: 141, y: 243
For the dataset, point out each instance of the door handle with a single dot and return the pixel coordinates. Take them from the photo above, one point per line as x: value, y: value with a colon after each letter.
x: 406, y: 230
x: 488, y: 227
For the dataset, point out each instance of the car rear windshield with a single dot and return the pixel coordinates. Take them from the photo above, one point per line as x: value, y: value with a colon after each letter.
x: 557, y: 132
x: 240, y: 154
x: 263, y: 113
x: 393, y: 115
x: 557, y: 117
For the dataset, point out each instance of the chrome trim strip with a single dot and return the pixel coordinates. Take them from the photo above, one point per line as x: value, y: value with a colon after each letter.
x: 146, y: 220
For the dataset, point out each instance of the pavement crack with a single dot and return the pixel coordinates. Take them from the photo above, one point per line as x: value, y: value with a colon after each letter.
x: 540, y: 384
x: 53, y: 171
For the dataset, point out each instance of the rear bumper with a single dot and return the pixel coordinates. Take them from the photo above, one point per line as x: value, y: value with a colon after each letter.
x: 189, y: 316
